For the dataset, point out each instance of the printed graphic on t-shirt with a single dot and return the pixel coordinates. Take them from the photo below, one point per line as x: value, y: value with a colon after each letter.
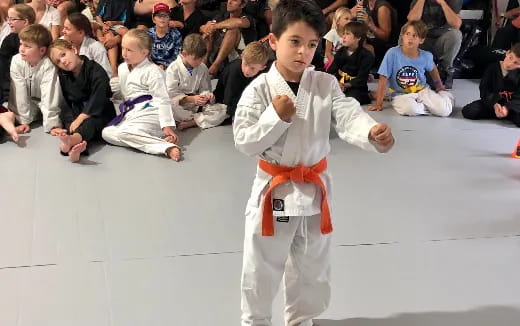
x: 407, y: 77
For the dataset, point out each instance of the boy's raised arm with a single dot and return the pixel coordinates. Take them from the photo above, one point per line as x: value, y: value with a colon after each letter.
x: 256, y: 126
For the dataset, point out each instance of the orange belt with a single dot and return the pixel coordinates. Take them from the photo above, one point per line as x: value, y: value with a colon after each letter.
x: 298, y: 173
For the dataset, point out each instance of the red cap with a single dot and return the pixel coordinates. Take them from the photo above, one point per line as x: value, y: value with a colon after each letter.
x: 159, y: 6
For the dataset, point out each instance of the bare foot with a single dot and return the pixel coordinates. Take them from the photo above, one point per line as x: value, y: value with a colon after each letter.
x: 67, y: 141
x: 186, y: 124
x: 174, y: 153
x: 7, y: 121
x: 76, y: 151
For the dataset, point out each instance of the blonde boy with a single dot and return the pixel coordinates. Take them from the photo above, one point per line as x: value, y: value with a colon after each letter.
x: 404, y: 68
x: 189, y: 87
x: 239, y: 73
x: 35, y: 89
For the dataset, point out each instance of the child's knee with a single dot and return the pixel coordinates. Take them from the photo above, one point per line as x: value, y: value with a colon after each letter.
x: 110, y: 134
x: 443, y: 106
x: 408, y: 107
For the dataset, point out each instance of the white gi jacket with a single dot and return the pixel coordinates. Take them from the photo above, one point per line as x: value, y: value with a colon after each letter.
x: 180, y: 82
x: 258, y: 130
x: 145, y: 79
x: 95, y: 51
x: 34, y: 90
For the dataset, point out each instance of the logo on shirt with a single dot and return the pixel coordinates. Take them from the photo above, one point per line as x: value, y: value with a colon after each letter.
x: 407, y: 76
x: 278, y: 205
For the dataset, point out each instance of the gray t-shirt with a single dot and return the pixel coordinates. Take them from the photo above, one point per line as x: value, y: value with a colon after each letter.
x: 434, y: 18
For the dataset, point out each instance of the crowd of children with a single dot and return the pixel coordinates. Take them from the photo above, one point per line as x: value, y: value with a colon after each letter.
x: 283, y: 116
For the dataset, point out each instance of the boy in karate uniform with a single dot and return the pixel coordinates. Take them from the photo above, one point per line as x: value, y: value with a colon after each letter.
x: 35, y: 89
x: 189, y: 87
x: 284, y: 118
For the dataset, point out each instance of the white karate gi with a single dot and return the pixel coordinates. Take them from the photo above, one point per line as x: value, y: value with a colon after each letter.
x: 141, y: 128
x: 258, y: 131
x: 424, y: 102
x: 35, y: 91
x: 180, y: 83
x: 95, y: 51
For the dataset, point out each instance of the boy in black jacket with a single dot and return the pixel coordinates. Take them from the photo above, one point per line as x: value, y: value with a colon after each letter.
x: 499, y: 91
x: 352, y: 62
x: 238, y: 74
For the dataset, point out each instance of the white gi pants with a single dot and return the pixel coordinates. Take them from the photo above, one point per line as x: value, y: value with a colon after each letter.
x: 140, y: 129
x: 299, y: 252
x: 212, y: 115
x: 424, y: 102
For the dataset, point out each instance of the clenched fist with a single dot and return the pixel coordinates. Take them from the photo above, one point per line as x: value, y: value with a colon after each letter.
x: 284, y: 106
x: 381, y: 135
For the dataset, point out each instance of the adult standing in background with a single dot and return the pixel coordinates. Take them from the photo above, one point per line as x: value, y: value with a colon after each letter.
x: 381, y: 19
x: 444, y: 37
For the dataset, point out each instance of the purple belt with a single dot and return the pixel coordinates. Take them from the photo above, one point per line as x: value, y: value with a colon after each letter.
x: 128, y: 106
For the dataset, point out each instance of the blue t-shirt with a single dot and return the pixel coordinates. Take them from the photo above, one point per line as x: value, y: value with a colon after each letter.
x: 166, y: 49
x: 403, y: 72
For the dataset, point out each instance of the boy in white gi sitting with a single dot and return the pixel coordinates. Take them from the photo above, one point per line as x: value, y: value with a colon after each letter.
x: 189, y: 87
x: 284, y: 119
x: 35, y: 89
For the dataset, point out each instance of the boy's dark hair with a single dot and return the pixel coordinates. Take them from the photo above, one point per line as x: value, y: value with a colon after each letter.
x: 36, y: 34
x: 516, y: 49
x: 194, y: 45
x: 287, y: 12
x: 81, y: 22
x: 358, y: 29
x: 420, y: 28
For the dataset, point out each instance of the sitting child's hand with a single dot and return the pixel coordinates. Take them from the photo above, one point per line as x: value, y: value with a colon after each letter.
x: 170, y: 135
x: 200, y: 100
x: 210, y: 97
x: 500, y: 111
x: 375, y: 107
x: 440, y: 88
x: 284, y: 107
x: 381, y: 134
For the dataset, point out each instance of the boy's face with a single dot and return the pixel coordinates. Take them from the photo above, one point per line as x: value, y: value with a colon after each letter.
x: 251, y: 69
x: 161, y: 19
x: 348, y: 39
x: 65, y: 59
x: 234, y: 5
x: 132, y: 53
x: 190, y: 60
x: 410, y: 38
x: 511, y: 61
x: 71, y: 33
x: 31, y: 52
x: 15, y: 22
x: 295, y: 48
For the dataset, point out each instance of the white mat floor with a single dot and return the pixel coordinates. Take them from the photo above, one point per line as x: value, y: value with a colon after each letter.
x: 426, y: 235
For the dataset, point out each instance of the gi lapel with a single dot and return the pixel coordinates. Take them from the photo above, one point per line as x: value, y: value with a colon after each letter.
x: 278, y: 86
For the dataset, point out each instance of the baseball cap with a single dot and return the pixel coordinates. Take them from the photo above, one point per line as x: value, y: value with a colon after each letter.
x: 159, y: 6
